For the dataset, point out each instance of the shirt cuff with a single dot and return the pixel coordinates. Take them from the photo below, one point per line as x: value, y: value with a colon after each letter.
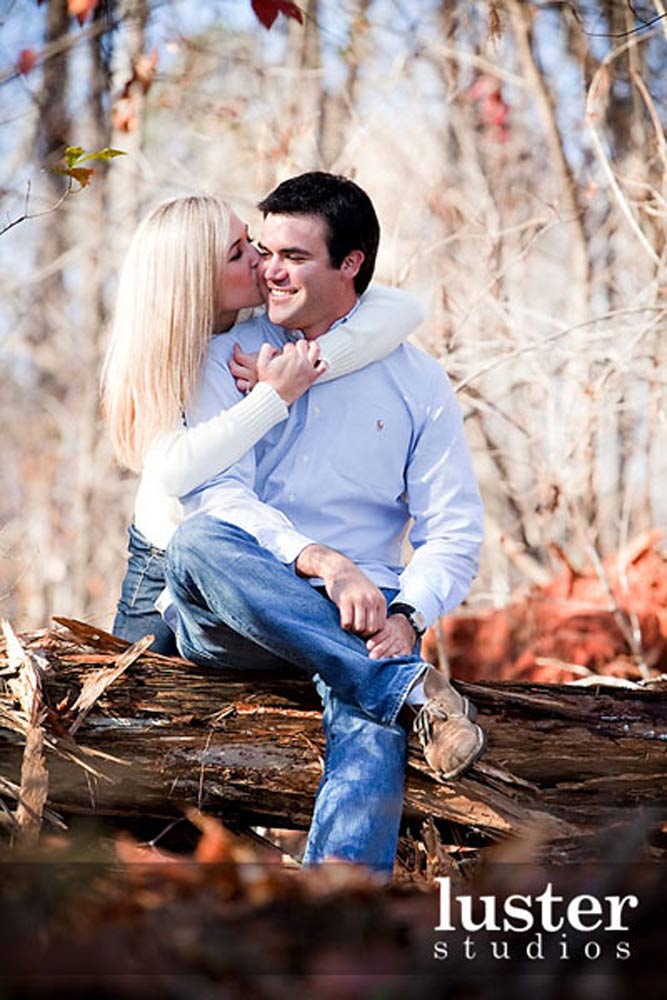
x: 286, y: 545
x: 339, y: 353
x: 421, y: 599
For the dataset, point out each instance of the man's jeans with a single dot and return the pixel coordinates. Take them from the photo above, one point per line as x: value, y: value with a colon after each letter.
x: 239, y: 607
x: 144, y: 582
x: 359, y: 801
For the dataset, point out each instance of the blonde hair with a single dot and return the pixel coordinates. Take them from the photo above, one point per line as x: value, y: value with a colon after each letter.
x: 166, y: 306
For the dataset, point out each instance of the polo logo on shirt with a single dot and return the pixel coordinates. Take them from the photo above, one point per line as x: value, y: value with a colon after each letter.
x: 379, y: 424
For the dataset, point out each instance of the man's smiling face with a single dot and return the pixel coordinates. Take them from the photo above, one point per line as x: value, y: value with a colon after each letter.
x: 304, y: 291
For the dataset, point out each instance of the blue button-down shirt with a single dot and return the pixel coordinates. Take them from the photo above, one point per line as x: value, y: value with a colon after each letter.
x: 360, y: 462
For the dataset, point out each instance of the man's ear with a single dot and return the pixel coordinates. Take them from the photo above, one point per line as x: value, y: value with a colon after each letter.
x: 351, y: 263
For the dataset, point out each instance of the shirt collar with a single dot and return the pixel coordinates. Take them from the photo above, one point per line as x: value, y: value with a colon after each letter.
x: 295, y: 335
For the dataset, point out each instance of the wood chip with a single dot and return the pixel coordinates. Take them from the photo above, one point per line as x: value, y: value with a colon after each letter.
x: 34, y: 786
x: 86, y: 635
x: 27, y: 689
x: 96, y: 684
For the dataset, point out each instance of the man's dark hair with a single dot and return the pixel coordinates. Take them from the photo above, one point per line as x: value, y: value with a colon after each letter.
x: 346, y: 209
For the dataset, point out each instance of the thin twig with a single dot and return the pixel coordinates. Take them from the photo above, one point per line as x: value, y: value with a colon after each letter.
x: 660, y: 7
x: 631, y: 634
x: 592, y: 113
x: 69, y: 41
x: 36, y: 215
x: 537, y: 345
x: 200, y: 787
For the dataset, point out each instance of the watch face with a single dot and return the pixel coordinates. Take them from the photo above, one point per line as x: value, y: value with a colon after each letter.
x: 418, y: 621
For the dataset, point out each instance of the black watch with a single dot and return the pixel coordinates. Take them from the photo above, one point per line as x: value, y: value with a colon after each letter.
x: 415, y: 617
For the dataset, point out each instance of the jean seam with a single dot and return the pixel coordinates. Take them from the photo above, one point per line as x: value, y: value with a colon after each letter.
x: 142, y: 574
x: 423, y: 667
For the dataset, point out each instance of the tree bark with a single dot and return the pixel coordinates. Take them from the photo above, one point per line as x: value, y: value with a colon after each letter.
x: 570, y: 761
x: 85, y: 516
x: 46, y: 325
x: 520, y: 18
x: 306, y: 95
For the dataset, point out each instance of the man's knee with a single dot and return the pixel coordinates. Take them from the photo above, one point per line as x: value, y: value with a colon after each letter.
x: 201, y: 540
x: 188, y: 540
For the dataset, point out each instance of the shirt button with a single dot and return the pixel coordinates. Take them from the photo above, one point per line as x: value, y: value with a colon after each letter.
x: 305, y: 459
x: 291, y: 498
x: 316, y: 411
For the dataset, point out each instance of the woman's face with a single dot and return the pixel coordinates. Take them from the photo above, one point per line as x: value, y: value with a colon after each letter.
x: 239, y: 284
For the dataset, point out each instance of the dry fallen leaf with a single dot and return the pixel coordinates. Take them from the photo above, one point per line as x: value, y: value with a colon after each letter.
x: 80, y: 9
x: 26, y: 61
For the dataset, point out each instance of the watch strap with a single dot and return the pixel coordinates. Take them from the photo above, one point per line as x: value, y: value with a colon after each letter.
x: 413, y: 616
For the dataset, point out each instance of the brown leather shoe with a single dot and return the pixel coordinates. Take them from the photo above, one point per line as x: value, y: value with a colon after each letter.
x: 450, y: 739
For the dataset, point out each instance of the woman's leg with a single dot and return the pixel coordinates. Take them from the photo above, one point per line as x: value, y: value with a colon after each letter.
x: 144, y: 582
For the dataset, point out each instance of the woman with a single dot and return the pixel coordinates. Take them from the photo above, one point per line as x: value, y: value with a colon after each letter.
x: 189, y: 271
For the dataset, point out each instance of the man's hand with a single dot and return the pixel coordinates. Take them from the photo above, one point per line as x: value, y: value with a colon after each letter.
x: 362, y: 605
x: 396, y: 638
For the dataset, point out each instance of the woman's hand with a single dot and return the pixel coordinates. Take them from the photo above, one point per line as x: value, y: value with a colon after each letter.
x: 244, y: 369
x: 292, y: 371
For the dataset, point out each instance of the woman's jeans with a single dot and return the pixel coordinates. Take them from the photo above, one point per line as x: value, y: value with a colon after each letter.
x: 144, y: 582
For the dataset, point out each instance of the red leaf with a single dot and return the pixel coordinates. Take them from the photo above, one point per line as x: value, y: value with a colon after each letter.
x: 124, y: 115
x: 290, y: 9
x: 145, y: 67
x: 26, y: 60
x: 494, y: 111
x: 267, y: 11
x: 80, y: 174
x: 81, y: 9
x: 483, y: 87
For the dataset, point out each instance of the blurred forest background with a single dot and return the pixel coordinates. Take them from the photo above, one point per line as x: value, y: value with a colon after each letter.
x: 517, y: 158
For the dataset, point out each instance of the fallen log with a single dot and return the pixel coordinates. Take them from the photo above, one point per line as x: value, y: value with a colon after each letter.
x: 164, y: 734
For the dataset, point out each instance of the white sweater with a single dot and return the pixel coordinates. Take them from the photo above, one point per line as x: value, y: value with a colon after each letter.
x: 183, y: 459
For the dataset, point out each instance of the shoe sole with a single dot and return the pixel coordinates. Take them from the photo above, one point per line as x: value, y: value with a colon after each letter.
x: 469, y: 709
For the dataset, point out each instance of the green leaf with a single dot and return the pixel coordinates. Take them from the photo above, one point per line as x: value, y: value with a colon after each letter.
x: 103, y: 154
x: 72, y: 154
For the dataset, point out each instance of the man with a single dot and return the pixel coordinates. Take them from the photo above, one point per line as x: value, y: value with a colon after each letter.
x: 308, y: 569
